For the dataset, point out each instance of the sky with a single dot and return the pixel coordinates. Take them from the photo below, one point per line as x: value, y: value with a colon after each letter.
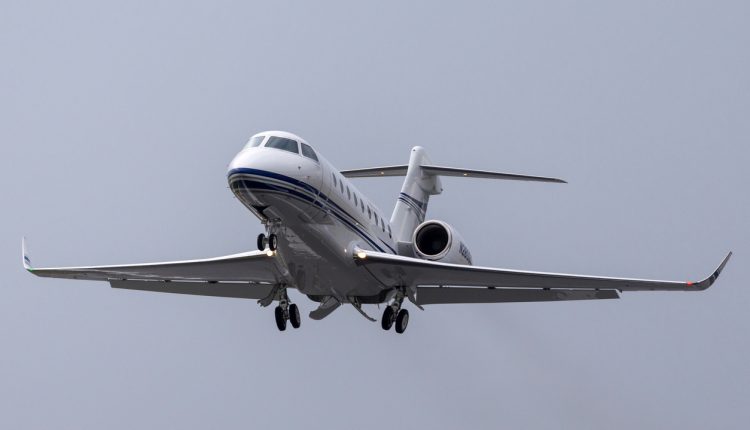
x: 119, y: 120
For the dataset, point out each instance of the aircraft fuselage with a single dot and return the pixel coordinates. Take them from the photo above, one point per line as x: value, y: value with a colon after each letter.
x: 314, y: 207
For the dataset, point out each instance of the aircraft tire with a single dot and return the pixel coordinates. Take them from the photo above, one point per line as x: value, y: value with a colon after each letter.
x: 280, y: 320
x: 273, y: 242
x: 261, y: 242
x: 294, y: 316
x: 402, y: 320
x: 387, y: 321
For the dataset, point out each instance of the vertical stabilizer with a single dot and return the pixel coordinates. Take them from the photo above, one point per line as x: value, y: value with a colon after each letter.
x: 411, y: 205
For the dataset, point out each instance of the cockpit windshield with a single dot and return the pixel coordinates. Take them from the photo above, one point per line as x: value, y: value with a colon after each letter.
x: 268, y: 140
x: 308, y: 152
x: 255, y: 141
x: 282, y: 143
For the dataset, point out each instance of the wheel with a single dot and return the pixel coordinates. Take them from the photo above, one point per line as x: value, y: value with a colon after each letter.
x: 294, y: 317
x: 280, y: 320
x: 387, y: 321
x: 402, y: 320
x: 273, y: 242
x: 261, y: 242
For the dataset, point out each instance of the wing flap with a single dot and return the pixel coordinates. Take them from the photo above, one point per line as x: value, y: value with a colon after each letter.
x: 214, y: 289
x: 406, y: 271
x: 445, y: 295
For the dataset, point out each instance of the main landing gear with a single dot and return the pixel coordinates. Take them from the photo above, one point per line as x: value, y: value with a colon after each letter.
x: 291, y: 314
x: 285, y: 311
x: 395, y: 314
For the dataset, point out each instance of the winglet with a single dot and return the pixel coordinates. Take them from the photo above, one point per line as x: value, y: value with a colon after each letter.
x: 704, y: 284
x: 26, y: 260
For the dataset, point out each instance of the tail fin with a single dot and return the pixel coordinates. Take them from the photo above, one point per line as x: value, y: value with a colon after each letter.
x: 411, y: 205
x: 422, y: 181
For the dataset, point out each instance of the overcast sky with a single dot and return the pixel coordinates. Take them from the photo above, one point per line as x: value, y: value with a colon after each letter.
x: 118, y: 122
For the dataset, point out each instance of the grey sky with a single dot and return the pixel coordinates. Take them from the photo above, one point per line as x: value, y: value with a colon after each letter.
x: 118, y: 121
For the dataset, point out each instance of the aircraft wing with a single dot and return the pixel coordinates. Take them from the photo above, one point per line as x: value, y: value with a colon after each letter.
x: 244, y: 275
x: 457, y: 283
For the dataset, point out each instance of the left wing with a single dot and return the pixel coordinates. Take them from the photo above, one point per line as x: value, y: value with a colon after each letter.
x: 504, y: 284
x: 244, y: 275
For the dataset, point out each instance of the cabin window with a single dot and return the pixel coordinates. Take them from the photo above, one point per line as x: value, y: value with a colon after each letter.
x: 341, y: 184
x: 348, y: 193
x: 389, y: 231
x: 382, y: 224
x: 282, y: 143
x: 355, y: 199
x: 362, y: 203
x: 333, y: 175
x: 308, y: 152
x: 369, y: 212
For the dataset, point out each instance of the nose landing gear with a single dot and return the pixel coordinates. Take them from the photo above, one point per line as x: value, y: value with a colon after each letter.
x: 271, y: 241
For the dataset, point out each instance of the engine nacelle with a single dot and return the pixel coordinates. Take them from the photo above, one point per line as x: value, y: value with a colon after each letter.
x: 438, y: 241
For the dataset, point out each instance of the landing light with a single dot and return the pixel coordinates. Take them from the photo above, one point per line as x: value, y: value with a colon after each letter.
x: 361, y: 254
x: 269, y: 253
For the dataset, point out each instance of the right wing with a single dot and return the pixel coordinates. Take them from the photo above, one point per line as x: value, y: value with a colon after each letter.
x: 245, y: 275
x: 505, y: 285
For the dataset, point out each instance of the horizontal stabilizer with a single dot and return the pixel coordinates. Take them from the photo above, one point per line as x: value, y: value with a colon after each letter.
x: 431, y: 170
x: 371, y: 172
x: 485, y: 174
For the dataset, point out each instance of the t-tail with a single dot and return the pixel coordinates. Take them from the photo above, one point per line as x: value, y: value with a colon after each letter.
x: 422, y: 181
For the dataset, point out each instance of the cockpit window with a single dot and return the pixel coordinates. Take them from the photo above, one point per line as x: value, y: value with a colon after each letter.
x: 308, y: 152
x: 255, y: 141
x: 282, y: 143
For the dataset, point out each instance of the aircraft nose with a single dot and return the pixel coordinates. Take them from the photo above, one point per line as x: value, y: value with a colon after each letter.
x: 243, y: 162
x: 254, y: 160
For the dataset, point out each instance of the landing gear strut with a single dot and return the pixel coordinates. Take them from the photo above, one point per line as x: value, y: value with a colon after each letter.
x: 394, y: 313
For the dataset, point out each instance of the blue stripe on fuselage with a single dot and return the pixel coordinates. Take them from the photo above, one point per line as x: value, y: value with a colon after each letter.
x: 320, y: 202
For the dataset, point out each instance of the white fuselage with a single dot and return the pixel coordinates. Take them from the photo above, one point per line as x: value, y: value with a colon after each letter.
x: 320, y: 217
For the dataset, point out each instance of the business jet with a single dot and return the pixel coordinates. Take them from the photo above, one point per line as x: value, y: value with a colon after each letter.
x: 326, y: 239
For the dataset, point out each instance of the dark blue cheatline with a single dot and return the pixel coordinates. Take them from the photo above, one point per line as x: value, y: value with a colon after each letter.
x: 315, y: 197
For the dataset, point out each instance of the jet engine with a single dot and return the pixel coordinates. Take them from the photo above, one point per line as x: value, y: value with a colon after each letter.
x: 438, y: 241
